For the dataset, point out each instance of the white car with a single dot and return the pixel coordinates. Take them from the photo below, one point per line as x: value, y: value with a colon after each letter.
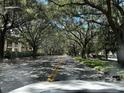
x: 72, y: 86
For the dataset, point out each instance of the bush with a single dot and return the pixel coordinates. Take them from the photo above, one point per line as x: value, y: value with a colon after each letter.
x: 24, y: 54
x: 9, y: 54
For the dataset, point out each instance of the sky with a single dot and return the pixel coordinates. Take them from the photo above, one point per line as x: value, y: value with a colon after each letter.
x: 43, y: 1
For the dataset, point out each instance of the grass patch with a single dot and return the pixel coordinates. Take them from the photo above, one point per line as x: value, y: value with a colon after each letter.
x: 79, y: 59
x: 104, y: 66
x: 93, y: 63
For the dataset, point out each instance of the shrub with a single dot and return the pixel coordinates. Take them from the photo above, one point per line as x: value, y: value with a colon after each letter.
x: 9, y: 54
x: 24, y: 54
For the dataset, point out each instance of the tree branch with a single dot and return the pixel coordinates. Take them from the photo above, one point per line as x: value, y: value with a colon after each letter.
x: 99, y: 23
x: 109, y: 16
x: 86, y: 2
x: 116, y: 4
x: 95, y: 6
x: 62, y: 5
x: 120, y: 9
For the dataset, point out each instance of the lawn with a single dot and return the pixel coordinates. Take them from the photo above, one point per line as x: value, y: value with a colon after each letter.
x: 109, y: 67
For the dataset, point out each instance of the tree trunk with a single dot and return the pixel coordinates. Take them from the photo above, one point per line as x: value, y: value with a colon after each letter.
x: 2, y: 42
x: 74, y: 50
x: 34, y: 55
x: 120, y: 52
x: 2, y: 37
x: 120, y: 55
x: 83, y: 52
x: 106, y: 54
x: 0, y: 90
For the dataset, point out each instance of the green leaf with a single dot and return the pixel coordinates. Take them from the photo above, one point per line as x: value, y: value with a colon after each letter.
x: 29, y: 10
x: 23, y: 2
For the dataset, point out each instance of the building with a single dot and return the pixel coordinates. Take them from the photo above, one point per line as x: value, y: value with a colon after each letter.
x: 13, y: 43
x: 16, y: 47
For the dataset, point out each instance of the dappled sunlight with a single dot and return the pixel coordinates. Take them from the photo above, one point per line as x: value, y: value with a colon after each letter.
x: 61, y: 46
x: 32, y: 71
